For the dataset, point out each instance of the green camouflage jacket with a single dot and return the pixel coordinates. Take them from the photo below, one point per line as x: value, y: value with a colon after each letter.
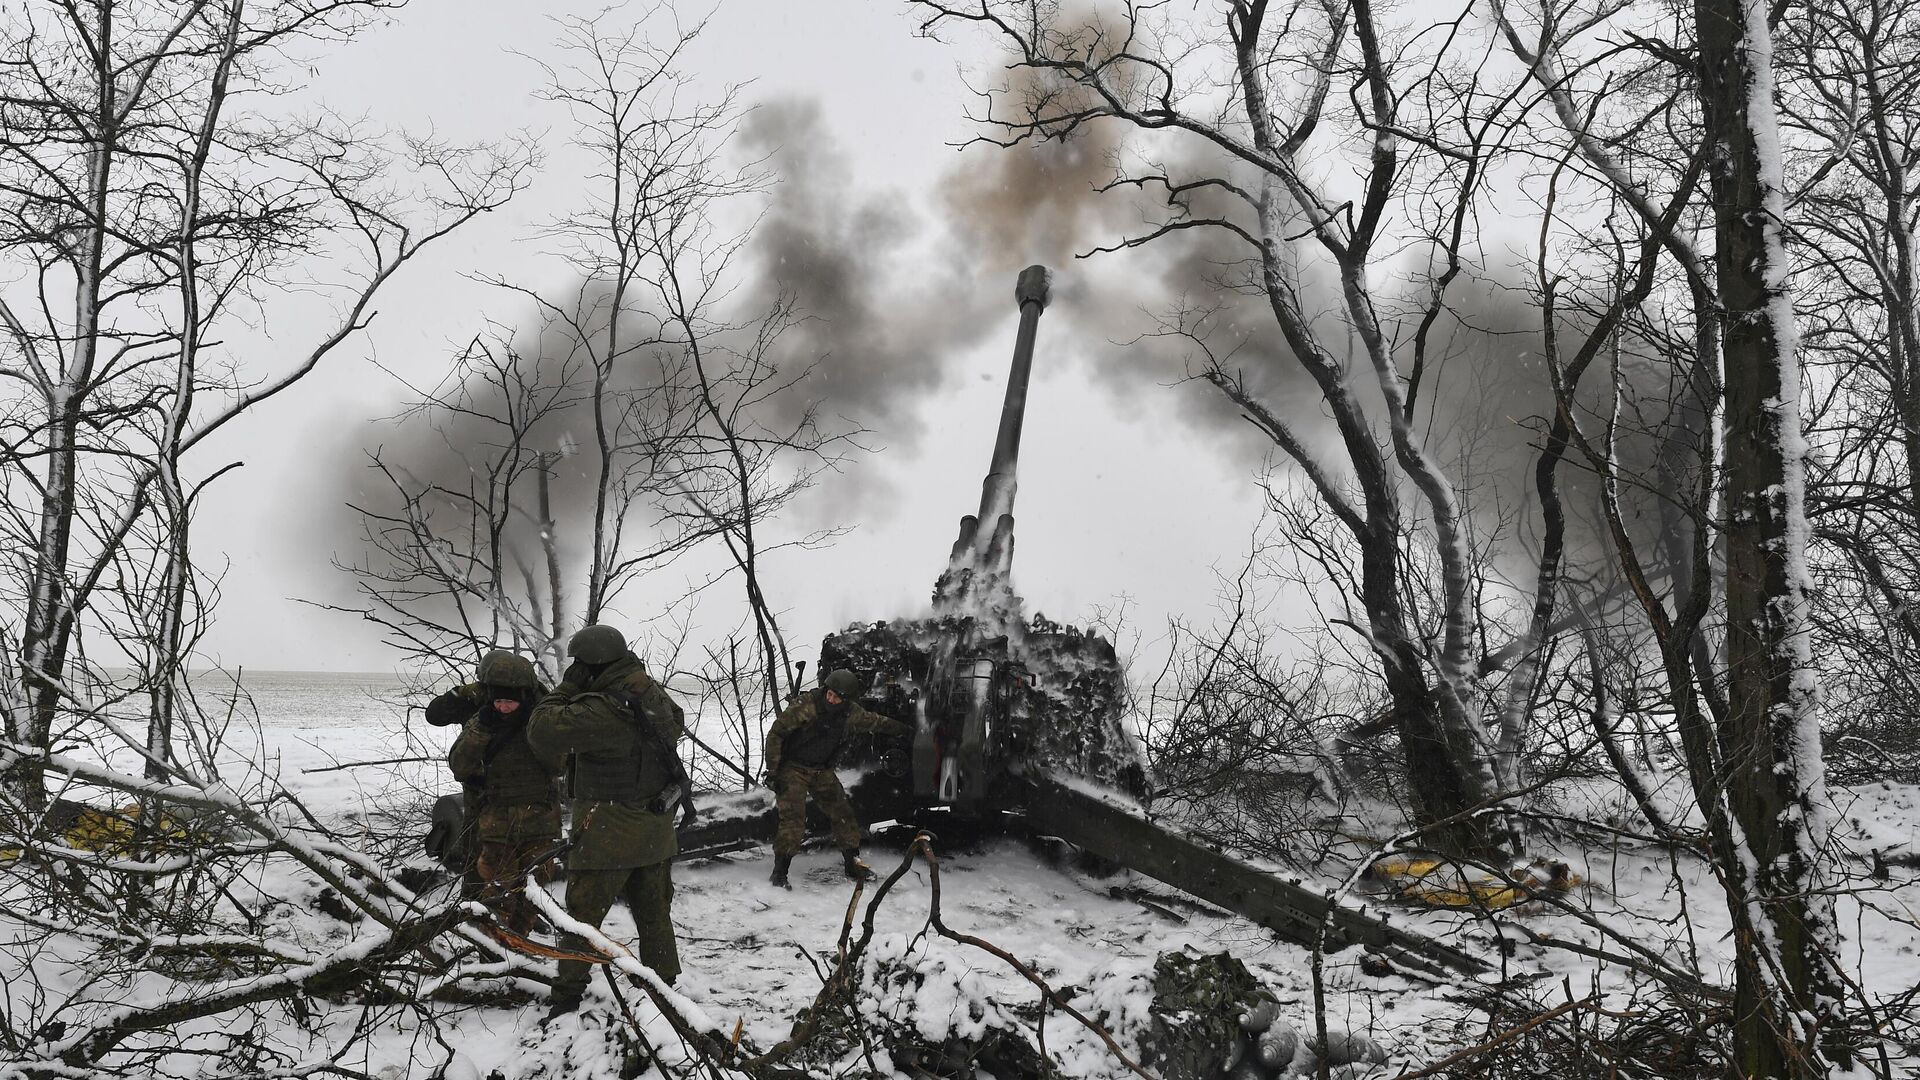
x: 590, y: 722
x: 512, y: 790
x: 808, y: 734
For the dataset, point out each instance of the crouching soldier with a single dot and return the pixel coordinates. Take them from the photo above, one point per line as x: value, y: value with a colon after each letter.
x: 620, y: 726
x: 514, y: 806
x: 801, y: 749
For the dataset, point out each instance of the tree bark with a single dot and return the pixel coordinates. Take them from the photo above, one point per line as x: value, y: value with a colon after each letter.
x: 1783, y: 997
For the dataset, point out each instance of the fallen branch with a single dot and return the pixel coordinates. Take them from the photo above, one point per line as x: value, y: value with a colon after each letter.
x: 1653, y: 969
x: 414, y: 759
x: 839, y: 982
x: 1497, y: 1041
x: 332, y: 863
x: 687, y: 1021
x: 350, y: 967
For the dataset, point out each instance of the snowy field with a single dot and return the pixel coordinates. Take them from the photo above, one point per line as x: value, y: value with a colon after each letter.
x: 755, y: 956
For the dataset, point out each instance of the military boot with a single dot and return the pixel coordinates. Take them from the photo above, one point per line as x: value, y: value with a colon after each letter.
x: 780, y: 865
x: 856, y: 869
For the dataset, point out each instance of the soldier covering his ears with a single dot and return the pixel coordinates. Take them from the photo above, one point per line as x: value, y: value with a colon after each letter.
x: 512, y: 805
x: 801, y: 749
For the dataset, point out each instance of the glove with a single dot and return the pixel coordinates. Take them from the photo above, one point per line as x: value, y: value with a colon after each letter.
x: 449, y: 709
x: 575, y: 677
x: 771, y: 778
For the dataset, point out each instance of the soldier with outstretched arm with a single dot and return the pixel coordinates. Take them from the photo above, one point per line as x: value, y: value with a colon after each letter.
x: 801, y: 749
x: 512, y: 802
x: 620, y: 726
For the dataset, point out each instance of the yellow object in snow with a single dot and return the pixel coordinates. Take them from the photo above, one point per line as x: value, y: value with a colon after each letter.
x: 1440, y: 882
x: 106, y: 830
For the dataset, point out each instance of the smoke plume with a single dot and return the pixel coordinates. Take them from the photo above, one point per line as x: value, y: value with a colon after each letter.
x: 881, y: 321
x: 891, y: 288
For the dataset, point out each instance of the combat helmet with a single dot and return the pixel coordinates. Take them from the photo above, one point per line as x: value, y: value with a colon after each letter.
x: 597, y: 644
x: 502, y: 668
x: 845, y: 683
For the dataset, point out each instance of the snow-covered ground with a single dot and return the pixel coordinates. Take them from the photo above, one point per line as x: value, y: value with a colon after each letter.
x: 754, y: 955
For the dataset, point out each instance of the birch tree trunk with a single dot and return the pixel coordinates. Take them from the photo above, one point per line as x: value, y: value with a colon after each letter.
x: 48, y: 628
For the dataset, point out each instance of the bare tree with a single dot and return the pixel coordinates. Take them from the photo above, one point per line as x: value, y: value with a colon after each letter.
x: 1786, y: 992
x: 461, y: 557
x: 1849, y: 111
x: 1380, y: 472
x: 650, y: 234
x: 1757, y: 770
x: 644, y: 413
x: 147, y: 222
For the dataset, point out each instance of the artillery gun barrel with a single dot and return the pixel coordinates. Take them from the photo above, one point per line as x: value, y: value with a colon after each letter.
x: 985, y: 543
x: 1033, y: 290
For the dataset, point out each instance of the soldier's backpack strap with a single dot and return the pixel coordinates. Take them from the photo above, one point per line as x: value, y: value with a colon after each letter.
x: 679, y: 791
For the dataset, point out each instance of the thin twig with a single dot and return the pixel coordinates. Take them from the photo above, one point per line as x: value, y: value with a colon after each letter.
x: 923, y: 844
x: 412, y: 760
x: 1497, y: 1041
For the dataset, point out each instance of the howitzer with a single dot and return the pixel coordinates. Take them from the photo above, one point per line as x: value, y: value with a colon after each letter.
x: 1013, y: 716
x: 1017, y: 719
x: 974, y: 666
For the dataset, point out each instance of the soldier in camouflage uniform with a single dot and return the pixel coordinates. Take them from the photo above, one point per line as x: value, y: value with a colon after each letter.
x: 513, y: 805
x: 801, y: 748
x: 623, y: 833
x: 453, y: 709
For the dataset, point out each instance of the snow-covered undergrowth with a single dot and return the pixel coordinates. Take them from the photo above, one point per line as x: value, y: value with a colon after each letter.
x: 755, y: 958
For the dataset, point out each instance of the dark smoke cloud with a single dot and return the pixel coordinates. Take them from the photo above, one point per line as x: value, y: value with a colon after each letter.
x: 1120, y: 306
x: 880, y: 325
x: 448, y: 451
x: 894, y: 286
x: 1035, y: 202
x: 1485, y: 396
x: 1485, y: 399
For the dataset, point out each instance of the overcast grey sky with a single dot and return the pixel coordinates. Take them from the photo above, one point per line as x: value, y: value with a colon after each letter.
x: 1124, y: 487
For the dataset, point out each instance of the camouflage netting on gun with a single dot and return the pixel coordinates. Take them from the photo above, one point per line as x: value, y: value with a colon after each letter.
x: 1070, y: 720
x: 1197, y: 1005
x: 1212, y: 1019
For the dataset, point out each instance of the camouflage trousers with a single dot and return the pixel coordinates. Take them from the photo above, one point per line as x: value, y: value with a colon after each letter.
x: 502, y: 869
x: 791, y: 787
x: 649, y: 894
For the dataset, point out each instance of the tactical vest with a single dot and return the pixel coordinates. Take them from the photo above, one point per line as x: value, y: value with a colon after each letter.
x: 817, y: 742
x: 629, y: 776
x: 514, y: 776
